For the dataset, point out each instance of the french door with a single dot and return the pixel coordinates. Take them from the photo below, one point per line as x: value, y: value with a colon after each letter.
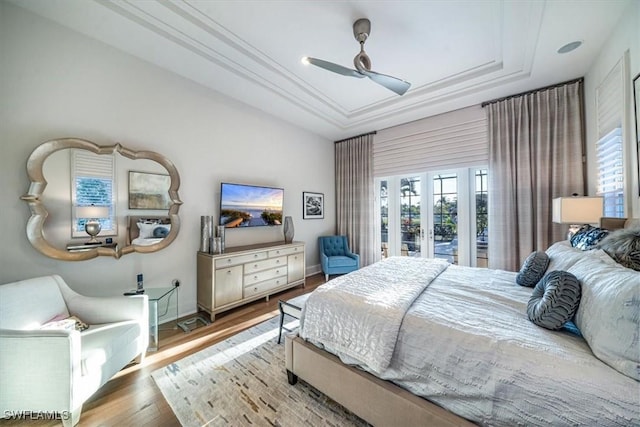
x: 435, y: 215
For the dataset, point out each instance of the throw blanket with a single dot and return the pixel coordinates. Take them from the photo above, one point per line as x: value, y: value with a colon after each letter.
x: 359, y: 314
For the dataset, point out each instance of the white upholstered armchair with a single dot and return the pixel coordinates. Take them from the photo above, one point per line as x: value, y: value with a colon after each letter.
x: 57, y: 370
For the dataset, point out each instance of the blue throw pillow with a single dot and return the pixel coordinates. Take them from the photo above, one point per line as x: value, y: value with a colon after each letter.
x: 588, y: 237
x: 160, y: 232
x: 554, y: 300
x: 533, y: 269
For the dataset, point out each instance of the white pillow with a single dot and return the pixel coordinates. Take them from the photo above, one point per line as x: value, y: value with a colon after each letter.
x: 609, y: 313
x: 146, y: 229
x: 562, y: 256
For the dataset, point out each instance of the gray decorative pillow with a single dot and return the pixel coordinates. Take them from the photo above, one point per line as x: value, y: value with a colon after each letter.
x: 623, y: 246
x: 533, y: 269
x: 554, y: 300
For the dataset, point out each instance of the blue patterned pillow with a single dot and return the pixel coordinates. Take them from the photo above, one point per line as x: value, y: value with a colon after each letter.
x: 554, y: 300
x: 588, y: 237
x: 160, y: 232
x: 533, y: 269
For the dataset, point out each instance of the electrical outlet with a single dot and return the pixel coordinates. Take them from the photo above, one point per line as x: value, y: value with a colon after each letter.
x: 175, y: 282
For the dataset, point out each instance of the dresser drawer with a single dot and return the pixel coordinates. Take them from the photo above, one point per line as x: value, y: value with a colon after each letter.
x: 261, y: 276
x: 253, y: 267
x: 228, y: 261
x: 265, y: 286
x: 286, y: 251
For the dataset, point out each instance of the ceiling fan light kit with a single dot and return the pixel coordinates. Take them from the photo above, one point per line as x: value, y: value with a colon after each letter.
x: 362, y: 63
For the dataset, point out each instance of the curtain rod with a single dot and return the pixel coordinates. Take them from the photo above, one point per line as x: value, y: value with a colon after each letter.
x: 357, y: 136
x: 493, y: 101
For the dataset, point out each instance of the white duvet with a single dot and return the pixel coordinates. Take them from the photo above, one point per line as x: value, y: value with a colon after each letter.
x: 465, y: 343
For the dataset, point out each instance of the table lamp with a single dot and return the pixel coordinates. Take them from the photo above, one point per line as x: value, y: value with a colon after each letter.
x: 92, y: 214
x: 577, y: 211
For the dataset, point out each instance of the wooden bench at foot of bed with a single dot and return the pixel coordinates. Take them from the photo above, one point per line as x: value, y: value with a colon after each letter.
x: 378, y: 402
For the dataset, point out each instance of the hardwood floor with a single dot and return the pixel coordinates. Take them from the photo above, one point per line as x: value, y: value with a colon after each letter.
x: 131, y: 397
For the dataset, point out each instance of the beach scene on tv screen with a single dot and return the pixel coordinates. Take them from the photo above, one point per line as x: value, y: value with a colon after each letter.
x: 248, y: 206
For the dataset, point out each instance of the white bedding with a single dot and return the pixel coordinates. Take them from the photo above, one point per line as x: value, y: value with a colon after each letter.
x: 369, y: 312
x: 146, y: 242
x: 466, y: 344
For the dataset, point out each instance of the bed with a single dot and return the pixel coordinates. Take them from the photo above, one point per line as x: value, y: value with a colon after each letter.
x: 147, y: 230
x: 410, y: 341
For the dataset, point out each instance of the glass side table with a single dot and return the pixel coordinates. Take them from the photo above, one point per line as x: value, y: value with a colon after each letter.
x: 155, y: 295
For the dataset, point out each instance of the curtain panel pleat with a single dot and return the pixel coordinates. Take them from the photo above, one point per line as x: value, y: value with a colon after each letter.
x: 354, y: 195
x: 536, y: 151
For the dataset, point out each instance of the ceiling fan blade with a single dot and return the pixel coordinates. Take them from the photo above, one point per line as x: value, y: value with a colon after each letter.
x: 334, y: 67
x: 394, y: 84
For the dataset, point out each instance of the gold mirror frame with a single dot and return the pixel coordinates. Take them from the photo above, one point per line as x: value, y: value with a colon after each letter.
x: 35, y: 225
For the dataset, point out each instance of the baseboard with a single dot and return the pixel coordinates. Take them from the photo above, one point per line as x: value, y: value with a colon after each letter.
x: 312, y: 270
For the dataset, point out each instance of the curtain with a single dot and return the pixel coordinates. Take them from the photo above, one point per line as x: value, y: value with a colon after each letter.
x: 536, y: 151
x: 355, y: 195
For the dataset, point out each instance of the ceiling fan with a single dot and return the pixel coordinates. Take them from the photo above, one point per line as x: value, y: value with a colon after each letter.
x: 361, y: 31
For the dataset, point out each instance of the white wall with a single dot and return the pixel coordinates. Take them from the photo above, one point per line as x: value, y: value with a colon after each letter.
x: 624, y: 40
x: 57, y: 83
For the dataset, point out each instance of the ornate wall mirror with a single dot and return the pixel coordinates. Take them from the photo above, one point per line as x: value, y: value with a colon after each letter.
x: 135, y: 209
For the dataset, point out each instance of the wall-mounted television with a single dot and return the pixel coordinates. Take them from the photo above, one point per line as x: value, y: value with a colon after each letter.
x: 250, y: 205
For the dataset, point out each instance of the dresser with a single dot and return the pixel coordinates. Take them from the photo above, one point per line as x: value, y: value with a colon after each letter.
x: 247, y: 273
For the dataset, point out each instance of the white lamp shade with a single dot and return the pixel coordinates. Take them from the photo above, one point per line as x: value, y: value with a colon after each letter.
x: 577, y: 210
x: 92, y: 212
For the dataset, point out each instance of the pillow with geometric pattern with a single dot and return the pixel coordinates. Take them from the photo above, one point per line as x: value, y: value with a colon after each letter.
x: 588, y: 237
x: 623, y: 246
x: 533, y: 269
x: 554, y: 300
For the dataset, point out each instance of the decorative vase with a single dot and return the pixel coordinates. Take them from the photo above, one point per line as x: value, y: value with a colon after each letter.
x: 206, y: 227
x: 288, y: 229
x: 220, y: 235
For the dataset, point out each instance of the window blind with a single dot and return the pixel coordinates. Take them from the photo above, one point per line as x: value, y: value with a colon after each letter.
x: 93, y: 183
x: 456, y: 139
x: 609, y: 148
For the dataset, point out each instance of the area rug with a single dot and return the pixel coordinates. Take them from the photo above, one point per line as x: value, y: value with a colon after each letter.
x: 243, y: 381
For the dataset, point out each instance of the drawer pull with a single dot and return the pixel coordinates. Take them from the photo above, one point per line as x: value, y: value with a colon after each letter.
x: 228, y: 259
x: 255, y: 265
x: 255, y: 277
x: 255, y: 255
x: 278, y: 262
x: 255, y: 289
x: 228, y: 271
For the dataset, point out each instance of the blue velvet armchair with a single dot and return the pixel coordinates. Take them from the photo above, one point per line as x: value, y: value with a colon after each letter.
x: 336, y: 257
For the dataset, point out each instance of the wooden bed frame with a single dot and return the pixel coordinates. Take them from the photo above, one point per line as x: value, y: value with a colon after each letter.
x: 376, y: 401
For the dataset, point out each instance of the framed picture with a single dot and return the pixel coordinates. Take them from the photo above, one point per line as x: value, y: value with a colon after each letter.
x: 312, y: 205
x: 149, y: 190
x: 636, y: 110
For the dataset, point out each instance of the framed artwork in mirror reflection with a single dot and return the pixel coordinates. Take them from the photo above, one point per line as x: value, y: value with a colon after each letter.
x: 149, y: 190
x: 312, y: 205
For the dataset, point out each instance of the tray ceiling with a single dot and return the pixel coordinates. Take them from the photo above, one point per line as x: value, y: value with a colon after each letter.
x: 455, y: 53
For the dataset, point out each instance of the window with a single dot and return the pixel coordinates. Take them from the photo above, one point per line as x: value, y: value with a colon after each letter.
x: 611, y: 173
x: 93, y: 177
x: 609, y: 149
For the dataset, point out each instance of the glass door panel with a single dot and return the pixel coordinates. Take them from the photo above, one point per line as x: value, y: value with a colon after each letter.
x: 482, y: 222
x: 384, y: 218
x: 445, y: 217
x: 410, y: 224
